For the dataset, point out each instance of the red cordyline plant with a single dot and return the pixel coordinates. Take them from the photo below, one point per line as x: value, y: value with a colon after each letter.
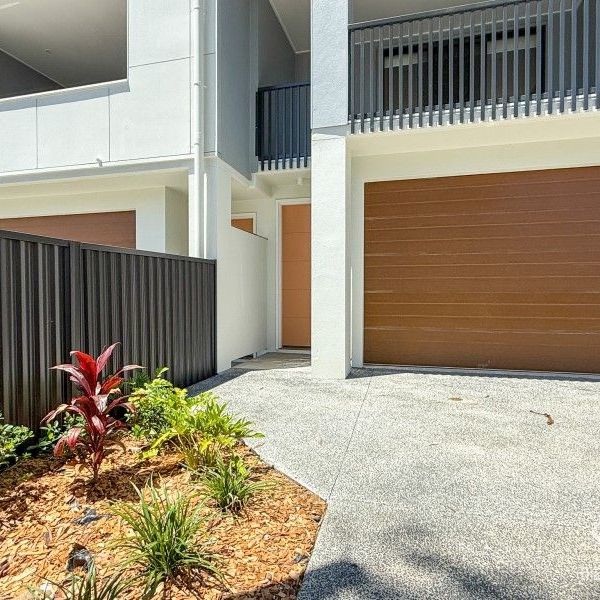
x: 91, y: 441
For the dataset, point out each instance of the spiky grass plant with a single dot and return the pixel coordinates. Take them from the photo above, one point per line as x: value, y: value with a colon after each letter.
x: 86, y: 587
x: 168, y: 539
x: 230, y: 484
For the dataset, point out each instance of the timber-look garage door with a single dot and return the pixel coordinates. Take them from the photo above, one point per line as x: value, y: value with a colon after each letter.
x: 489, y: 271
x: 106, y: 228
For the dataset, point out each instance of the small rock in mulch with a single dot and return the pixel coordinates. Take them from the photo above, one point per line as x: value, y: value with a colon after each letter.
x: 298, y: 558
x: 79, y: 558
x: 89, y: 516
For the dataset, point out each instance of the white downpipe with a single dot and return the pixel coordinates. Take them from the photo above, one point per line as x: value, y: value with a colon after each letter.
x: 197, y: 217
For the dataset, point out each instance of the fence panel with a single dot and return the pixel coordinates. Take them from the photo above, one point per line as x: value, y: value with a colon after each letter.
x: 34, y: 325
x: 56, y: 296
x: 161, y: 308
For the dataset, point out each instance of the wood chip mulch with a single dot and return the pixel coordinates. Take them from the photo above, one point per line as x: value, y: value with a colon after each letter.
x: 263, y: 552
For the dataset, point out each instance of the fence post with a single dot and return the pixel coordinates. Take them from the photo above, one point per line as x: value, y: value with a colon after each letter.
x: 75, y: 282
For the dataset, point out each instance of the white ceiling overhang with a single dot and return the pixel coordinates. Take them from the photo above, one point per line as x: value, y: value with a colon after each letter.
x: 294, y: 15
x: 73, y: 42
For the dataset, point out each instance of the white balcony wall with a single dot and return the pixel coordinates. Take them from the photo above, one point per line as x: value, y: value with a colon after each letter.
x: 146, y: 117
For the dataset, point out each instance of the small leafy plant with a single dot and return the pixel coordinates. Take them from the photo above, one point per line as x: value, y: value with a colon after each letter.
x: 141, y: 379
x: 168, y: 539
x: 91, y: 441
x: 204, y: 431
x: 12, y: 438
x: 86, y: 587
x: 155, y: 404
x: 52, y: 432
x: 230, y: 484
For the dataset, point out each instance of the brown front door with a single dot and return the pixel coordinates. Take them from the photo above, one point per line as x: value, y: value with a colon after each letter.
x: 491, y: 271
x: 295, y: 275
x: 108, y: 228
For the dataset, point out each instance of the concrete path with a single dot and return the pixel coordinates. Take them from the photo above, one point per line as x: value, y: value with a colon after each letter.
x: 439, y: 486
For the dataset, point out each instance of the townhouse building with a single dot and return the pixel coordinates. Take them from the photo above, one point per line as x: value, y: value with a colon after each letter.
x: 381, y: 182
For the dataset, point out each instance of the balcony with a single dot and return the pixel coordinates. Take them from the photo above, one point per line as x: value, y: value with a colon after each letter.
x: 495, y: 60
x: 283, y: 126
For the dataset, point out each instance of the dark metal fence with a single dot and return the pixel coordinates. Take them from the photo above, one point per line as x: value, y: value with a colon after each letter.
x: 283, y: 126
x: 493, y: 60
x: 56, y: 296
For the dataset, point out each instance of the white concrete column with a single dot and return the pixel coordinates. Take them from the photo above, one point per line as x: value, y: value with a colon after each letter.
x: 218, y: 217
x: 196, y: 216
x: 217, y: 205
x: 330, y: 257
x: 329, y: 62
x: 330, y: 194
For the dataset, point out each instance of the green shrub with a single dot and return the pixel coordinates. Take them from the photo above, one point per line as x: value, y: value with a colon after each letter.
x: 86, y: 587
x: 230, y: 484
x: 12, y: 438
x: 203, y: 432
x: 140, y: 379
x: 52, y: 432
x: 155, y: 404
x: 168, y: 540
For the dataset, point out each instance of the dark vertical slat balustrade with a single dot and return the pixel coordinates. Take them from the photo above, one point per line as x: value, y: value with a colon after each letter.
x: 510, y: 58
x: 283, y: 126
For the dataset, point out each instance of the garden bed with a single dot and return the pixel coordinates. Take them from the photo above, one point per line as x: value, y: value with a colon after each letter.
x: 262, y: 552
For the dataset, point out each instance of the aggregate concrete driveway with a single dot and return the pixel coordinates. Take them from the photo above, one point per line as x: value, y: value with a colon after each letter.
x: 439, y: 486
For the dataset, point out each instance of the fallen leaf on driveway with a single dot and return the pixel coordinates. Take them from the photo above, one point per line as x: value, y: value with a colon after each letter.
x: 549, y: 418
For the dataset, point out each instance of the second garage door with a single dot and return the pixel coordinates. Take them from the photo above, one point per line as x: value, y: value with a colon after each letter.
x: 108, y: 228
x: 487, y: 271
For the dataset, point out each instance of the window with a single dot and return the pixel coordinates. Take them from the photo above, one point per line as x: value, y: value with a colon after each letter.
x: 405, y: 72
x: 522, y: 56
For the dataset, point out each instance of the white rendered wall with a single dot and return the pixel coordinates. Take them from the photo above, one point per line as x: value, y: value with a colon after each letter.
x: 265, y: 210
x: 241, y: 276
x: 529, y: 144
x: 146, y: 117
x: 176, y: 222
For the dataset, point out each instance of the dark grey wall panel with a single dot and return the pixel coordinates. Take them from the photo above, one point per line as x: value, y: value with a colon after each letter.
x: 18, y: 79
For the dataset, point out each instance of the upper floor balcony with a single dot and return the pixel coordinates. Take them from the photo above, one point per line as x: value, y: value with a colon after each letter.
x: 93, y: 85
x: 492, y: 60
x: 481, y: 62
